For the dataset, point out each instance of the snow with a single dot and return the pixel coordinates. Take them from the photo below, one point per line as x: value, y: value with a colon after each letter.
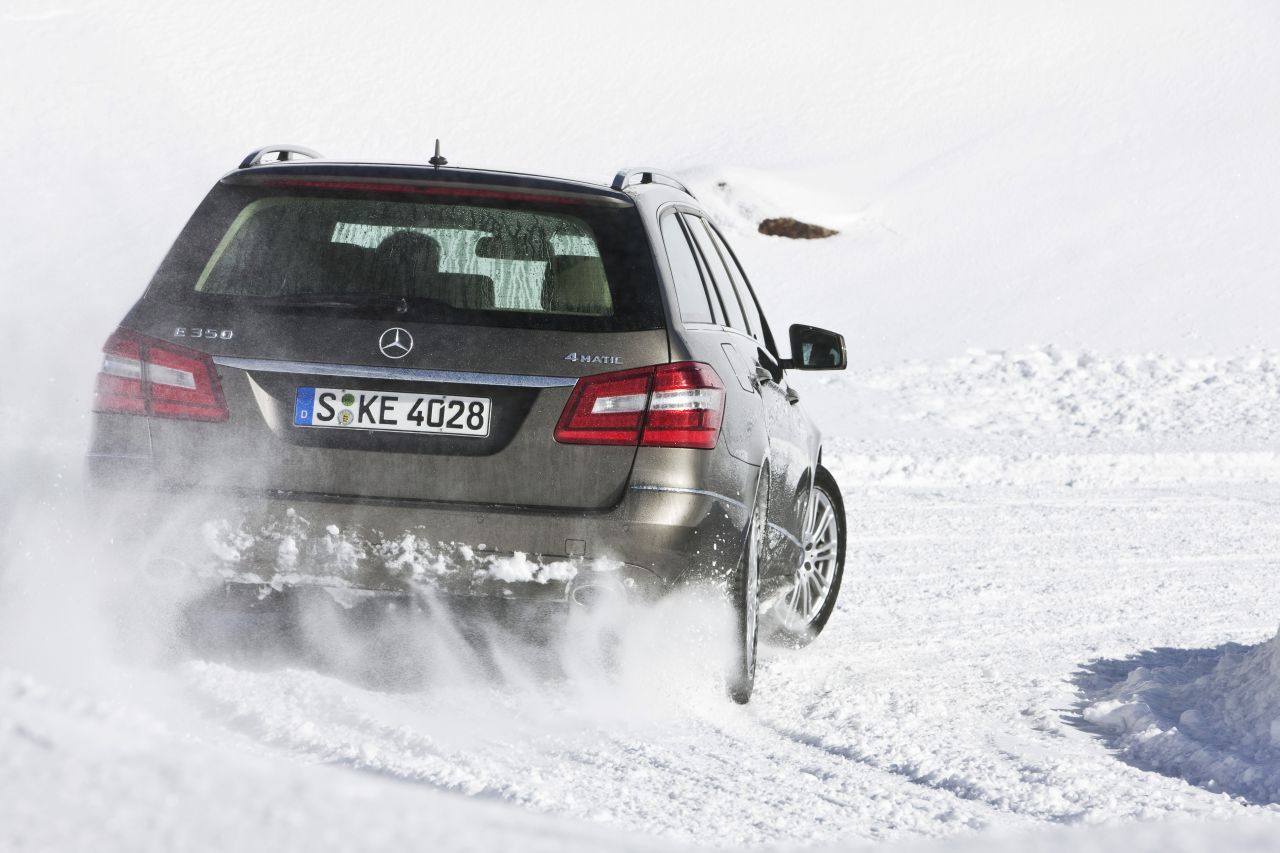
x: 519, y: 568
x: 1056, y: 270
x: 82, y: 775
x: 1211, y: 716
x: 339, y: 558
x: 1045, y: 392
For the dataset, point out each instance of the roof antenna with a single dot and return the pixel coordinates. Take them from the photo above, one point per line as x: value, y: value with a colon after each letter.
x: 438, y: 160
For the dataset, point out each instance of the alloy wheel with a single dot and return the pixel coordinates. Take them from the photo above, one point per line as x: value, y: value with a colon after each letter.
x: 816, y: 574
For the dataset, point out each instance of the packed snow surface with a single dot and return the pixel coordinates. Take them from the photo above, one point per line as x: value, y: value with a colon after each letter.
x: 1056, y: 271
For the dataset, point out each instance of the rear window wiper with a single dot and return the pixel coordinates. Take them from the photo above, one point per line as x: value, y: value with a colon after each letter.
x: 337, y: 300
x: 367, y: 302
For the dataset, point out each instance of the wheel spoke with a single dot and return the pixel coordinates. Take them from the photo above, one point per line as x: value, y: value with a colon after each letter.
x: 827, y: 552
x: 813, y: 577
x: 820, y: 519
x: 824, y: 532
x: 798, y: 607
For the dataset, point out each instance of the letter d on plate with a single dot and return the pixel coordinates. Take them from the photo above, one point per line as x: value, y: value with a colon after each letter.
x: 304, y: 407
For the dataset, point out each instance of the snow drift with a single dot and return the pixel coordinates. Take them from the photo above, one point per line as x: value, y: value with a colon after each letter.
x: 1211, y: 717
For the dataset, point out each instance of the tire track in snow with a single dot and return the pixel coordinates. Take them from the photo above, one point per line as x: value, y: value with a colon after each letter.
x: 711, y: 774
x: 933, y: 704
x: 948, y: 661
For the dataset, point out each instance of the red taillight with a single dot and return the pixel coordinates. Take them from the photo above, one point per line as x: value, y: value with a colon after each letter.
x: 670, y: 405
x: 686, y: 408
x: 145, y: 376
x: 607, y: 408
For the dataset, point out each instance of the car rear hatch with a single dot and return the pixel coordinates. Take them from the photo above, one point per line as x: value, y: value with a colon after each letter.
x: 392, y: 335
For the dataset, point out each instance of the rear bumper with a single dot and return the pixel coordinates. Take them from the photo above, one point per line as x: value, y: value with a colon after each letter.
x: 655, y: 538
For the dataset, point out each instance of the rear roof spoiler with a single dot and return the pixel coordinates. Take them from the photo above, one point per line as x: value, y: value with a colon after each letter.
x: 257, y: 167
x: 286, y: 152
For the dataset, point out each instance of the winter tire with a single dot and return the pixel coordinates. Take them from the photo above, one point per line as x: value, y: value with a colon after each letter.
x: 800, y: 614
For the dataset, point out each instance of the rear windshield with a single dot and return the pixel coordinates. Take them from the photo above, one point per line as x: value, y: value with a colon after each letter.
x: 483, y: 259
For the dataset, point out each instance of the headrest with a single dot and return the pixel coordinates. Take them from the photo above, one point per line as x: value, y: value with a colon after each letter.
x: 576, y: 284
x: 408, y: 244
x: 513, y: 247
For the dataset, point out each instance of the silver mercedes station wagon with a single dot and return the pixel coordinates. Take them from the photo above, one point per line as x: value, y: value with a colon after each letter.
x: 381, y: 379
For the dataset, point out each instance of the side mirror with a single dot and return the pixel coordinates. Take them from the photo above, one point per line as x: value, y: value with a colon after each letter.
x: 816, y: 349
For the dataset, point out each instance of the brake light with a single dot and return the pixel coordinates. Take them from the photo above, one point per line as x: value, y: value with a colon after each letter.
x: 669, y: 405
x: 462, y: 191
x: 145, y: 376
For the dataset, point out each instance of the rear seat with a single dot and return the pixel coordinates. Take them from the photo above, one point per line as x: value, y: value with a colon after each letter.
x: 576, y: 284
x: 460, y: 290
x: 347, y: 268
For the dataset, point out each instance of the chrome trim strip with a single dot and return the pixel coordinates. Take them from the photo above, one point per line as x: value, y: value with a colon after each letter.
x: 403, y: 374
x: 703, y: 492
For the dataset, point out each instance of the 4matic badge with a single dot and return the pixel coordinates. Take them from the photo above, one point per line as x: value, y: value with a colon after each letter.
x: 587, y: 358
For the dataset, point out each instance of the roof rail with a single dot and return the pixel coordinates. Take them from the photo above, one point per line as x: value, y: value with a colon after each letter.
x: 648, y: 175
x: 255, y: 157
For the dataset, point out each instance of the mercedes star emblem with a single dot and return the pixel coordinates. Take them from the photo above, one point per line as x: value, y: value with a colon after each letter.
x: 395, y: 342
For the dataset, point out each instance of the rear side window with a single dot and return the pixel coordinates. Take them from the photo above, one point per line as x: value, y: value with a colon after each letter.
x: 479, y: 261
x: 694, y: 306
x: 719, y: 275
x: 754, y: 318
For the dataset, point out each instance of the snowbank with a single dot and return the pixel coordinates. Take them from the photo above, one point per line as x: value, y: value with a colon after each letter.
x: 1050, y: 415
x: 1211, y: 717
x: 1024, y: 468
x: 1051, y: 393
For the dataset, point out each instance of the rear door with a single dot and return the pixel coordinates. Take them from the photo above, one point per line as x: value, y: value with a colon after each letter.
x: 413, y: 343
x: 708, y: 340
x: 789, y: 457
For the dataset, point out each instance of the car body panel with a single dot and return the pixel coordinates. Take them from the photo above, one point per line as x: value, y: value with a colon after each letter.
x: 656, y: 516
x: 260, y: 448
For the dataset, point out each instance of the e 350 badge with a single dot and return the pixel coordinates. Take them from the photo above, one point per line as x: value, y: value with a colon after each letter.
x: 198, y: 332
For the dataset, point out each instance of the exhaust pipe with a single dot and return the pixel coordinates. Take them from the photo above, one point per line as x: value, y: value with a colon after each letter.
x: 596, y: 592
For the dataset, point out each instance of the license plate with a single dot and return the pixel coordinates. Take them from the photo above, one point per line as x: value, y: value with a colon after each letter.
x: 346, y: 408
